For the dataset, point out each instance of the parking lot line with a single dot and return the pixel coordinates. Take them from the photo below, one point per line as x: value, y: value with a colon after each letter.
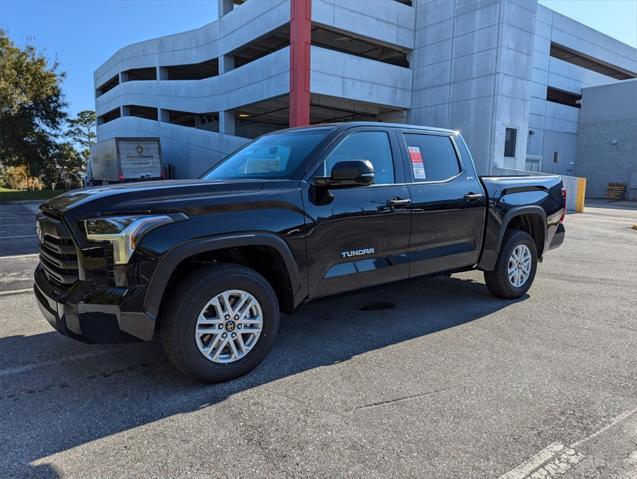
x: 616, y: 420
x: 16, y: 291
x: 556, y: 459
x: 534, y: 462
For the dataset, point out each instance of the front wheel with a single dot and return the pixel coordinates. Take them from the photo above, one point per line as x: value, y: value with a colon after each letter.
x: 220, y: 323
x: 515, y: 268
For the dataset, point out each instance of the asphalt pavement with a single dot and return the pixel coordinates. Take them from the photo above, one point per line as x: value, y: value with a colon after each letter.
x: 18, y: 245
x: 444, y: 382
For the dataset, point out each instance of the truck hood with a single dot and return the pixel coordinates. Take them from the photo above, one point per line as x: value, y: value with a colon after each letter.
x: 151, y: 196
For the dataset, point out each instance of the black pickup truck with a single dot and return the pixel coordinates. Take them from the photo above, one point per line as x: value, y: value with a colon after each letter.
x: 206, y: 266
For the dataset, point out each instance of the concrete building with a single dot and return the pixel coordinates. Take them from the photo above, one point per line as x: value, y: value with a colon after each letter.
x: 607, y: 137
x: 508, y: 73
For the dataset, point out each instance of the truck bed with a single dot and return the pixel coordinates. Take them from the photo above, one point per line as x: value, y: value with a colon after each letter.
x: 539, y: 196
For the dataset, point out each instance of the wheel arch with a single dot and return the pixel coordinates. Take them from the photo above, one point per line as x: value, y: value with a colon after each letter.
x: 531, y: 219
x: 168, y: 265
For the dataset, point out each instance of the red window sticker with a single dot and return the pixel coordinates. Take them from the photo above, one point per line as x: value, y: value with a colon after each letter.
x: 417, y: 163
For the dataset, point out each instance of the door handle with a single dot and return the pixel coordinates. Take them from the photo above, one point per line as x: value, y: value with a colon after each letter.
x: 473, y: 196
x: 397, y: 202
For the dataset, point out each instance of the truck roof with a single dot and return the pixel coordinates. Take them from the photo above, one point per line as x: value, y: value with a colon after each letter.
x: 353, y: 124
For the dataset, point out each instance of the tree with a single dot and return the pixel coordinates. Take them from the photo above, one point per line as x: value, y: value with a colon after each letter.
x: 63, y: 168
x: 81, y: 131
x: 31, y: 107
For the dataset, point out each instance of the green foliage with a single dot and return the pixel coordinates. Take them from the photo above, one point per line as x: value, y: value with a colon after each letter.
x: 31, y: 106
x: 81, y: 131
x: 32, y: 148
x: 64, y: 167
x: 16, y: 178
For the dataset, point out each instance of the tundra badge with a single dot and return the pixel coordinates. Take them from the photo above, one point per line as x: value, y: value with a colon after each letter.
x: 357, y: 252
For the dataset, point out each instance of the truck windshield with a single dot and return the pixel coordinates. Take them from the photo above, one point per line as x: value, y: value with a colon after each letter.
x: 276, y: 156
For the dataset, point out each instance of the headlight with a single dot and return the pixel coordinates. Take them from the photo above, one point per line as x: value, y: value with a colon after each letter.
x: 123, y: 232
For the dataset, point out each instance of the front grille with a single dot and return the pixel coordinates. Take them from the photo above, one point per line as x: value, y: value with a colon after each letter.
x: 58, y: 255
x: 110, y: 262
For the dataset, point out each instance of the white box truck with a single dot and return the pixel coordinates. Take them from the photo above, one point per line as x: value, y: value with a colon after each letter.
x: 119, y: 160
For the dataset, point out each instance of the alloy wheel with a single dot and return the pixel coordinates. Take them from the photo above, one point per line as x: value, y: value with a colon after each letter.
x: 519, y: 265
x: 229, y: 326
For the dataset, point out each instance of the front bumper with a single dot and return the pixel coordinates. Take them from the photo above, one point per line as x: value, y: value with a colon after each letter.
x: 94, y: 313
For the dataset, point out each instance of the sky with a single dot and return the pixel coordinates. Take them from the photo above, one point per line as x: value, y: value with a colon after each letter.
x: 82, y: 34
x: 617, y: 18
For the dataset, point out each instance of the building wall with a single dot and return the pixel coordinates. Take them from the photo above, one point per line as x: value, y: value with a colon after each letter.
x: 387, y: 21
x: 342, y: 75
x: 210, y: 41
x: 607, y: 146
x: 264, y: 78
x: 555, y: 126
x: 191, y: 151
x: 479, y: 66
x: 472, y: 63
x: 334, y: 74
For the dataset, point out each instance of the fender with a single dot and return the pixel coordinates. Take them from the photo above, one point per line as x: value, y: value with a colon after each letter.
x: 159, y: 280
x: 493, y: 242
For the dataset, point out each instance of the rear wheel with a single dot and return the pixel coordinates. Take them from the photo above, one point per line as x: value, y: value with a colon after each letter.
x: 220, y: 323
x: 515, y: 268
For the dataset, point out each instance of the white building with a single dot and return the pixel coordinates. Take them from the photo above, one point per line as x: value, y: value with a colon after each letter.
x: 508, y: 73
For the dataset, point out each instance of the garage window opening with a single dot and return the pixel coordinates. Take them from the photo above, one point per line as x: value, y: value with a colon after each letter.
x: 563, y: 97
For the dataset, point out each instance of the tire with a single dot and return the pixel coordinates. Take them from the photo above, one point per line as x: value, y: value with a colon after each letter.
x: 180, y: 318
x: 498, y: 281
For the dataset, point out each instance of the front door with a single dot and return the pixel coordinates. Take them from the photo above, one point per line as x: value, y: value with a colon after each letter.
x: 358, y: 236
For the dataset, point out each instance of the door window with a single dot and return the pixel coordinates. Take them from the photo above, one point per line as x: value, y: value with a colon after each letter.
x: 432, y: 157
x: 365, y: 145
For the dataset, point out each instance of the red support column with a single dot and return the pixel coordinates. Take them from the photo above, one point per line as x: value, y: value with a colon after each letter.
x: 300, y: 46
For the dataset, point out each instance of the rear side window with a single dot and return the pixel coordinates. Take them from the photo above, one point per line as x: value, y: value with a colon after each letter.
x: 432, y: 157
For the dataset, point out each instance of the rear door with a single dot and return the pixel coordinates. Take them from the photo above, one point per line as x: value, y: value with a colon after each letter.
x: 358, y: 236
x: 447, y: 202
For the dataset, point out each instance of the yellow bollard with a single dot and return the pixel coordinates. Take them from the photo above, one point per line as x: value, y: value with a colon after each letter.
x: 581, y: 195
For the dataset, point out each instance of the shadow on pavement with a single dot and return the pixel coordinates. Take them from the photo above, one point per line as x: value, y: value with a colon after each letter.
x: 50, y: 406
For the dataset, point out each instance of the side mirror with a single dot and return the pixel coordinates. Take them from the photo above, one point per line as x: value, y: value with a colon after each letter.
x: 347, y: 174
